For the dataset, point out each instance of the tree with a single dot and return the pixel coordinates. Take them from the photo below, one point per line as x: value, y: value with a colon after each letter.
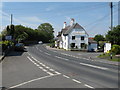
x: 46, y: 30
x: 99, y: 37
x: 113, y: 36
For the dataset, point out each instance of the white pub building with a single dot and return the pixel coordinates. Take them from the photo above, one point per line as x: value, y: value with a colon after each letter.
x: 72, y: 37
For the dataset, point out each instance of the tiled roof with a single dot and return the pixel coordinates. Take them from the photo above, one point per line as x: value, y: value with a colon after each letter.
x: 68, y: 29
x: 91, y: 40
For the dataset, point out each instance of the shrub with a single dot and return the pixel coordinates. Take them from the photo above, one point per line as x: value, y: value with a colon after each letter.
x: 115, y: 49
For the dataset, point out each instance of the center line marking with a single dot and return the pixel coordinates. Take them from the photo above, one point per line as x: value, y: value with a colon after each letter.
x: 47, y: 53
x: 47, y: 67
x: 94, y: 66
x: 57, y: 72
x: 88, y: 86
x: 76, y: 81
x: 66, y: 76
x: 51, y: 70
x: 44, y: 70
x: 41, y: 67
x: 50, y: 73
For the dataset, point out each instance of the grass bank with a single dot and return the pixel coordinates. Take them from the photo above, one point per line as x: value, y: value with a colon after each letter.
x: 108, y: 57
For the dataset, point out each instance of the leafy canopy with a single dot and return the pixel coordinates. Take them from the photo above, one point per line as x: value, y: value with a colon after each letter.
x: 113, y: 36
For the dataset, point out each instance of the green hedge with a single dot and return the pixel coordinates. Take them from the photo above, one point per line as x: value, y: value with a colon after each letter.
x: 115, y: 49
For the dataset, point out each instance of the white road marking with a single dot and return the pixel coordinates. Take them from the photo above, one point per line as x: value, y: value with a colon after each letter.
x: 94, y: 66
x: 29, y: 54
x: 47, y: 53
x: 44, y: 70
x: 47, y: 67
x: 37, y: 65
x: 66, y: 59
x: 40, y: 63
x: 37, y: 47
x: 76, y: 81
x: 61, y: 58
x: 41, y: 67
x: 32, y: 81
x: 51, y: 70
x: 64, y: 54
x: 32, y: 61
x: 39, y: 50
x: 66, y: 76
x: 50, y: 73
x: 88, y: 86
x: 57, y: 72
x: 77, y: 57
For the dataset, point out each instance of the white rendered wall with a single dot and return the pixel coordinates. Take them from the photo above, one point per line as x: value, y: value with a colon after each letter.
x: 78, y: 33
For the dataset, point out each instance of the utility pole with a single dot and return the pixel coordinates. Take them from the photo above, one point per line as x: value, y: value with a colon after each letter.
x: 11, y: 19
x: 111, y: 7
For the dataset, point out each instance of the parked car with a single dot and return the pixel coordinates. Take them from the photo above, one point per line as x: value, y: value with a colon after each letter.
x: 19, y: 47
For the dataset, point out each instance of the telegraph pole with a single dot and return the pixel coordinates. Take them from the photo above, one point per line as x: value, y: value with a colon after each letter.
x: 111, y: 7
x: 11, y: 19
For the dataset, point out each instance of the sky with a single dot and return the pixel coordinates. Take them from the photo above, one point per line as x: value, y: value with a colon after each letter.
x: 94, y: 17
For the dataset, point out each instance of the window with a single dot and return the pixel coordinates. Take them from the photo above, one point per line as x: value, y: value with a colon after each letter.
x: 72, y: 45
x: 73, y: 37
x: 82, y: 45
x: 82, y: 37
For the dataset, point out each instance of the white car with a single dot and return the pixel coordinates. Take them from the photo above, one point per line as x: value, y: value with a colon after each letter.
x: 40, y: 42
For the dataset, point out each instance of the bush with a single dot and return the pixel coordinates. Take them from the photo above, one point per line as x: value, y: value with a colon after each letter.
x: 115, y: 49
x: 52, y: 45
x: 5, y: 44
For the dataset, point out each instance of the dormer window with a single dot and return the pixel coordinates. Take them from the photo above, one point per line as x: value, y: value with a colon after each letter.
x: 73, y: 37
x: 82, y: 37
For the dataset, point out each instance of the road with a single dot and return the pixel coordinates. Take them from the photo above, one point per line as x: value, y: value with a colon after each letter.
x: 43, y: 68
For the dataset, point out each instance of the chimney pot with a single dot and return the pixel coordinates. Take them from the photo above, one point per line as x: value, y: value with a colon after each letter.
x: 72, y: 21
x: 64, y: 25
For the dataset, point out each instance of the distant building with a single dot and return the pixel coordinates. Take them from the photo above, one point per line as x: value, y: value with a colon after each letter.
x: 92, y: 44
x: 72, y: 37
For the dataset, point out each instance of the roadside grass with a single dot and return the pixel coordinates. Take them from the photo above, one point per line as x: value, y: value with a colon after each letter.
x: 107, y: 56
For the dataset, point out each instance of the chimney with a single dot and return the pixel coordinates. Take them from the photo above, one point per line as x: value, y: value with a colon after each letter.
x: 64, y: 25
x: 72, y: 21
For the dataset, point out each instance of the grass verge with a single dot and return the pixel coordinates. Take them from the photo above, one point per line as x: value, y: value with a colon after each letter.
x: 107, y: 56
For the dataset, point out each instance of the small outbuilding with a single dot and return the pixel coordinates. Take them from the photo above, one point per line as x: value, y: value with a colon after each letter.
x: 92, y: 44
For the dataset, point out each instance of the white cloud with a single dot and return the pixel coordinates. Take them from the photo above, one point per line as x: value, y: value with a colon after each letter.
x: 31, y: 22
x: 6, y: 18
x: 32, y: 19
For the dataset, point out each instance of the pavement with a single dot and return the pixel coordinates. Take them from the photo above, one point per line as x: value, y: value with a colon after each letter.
x: 83, y: 55
x: 1, y: 57
x: 45, y: 68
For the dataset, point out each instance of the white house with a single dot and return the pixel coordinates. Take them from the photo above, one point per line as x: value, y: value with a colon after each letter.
x: 72, y: 37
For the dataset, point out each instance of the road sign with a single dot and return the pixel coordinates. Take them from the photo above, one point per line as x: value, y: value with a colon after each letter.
x: 8, y: 37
